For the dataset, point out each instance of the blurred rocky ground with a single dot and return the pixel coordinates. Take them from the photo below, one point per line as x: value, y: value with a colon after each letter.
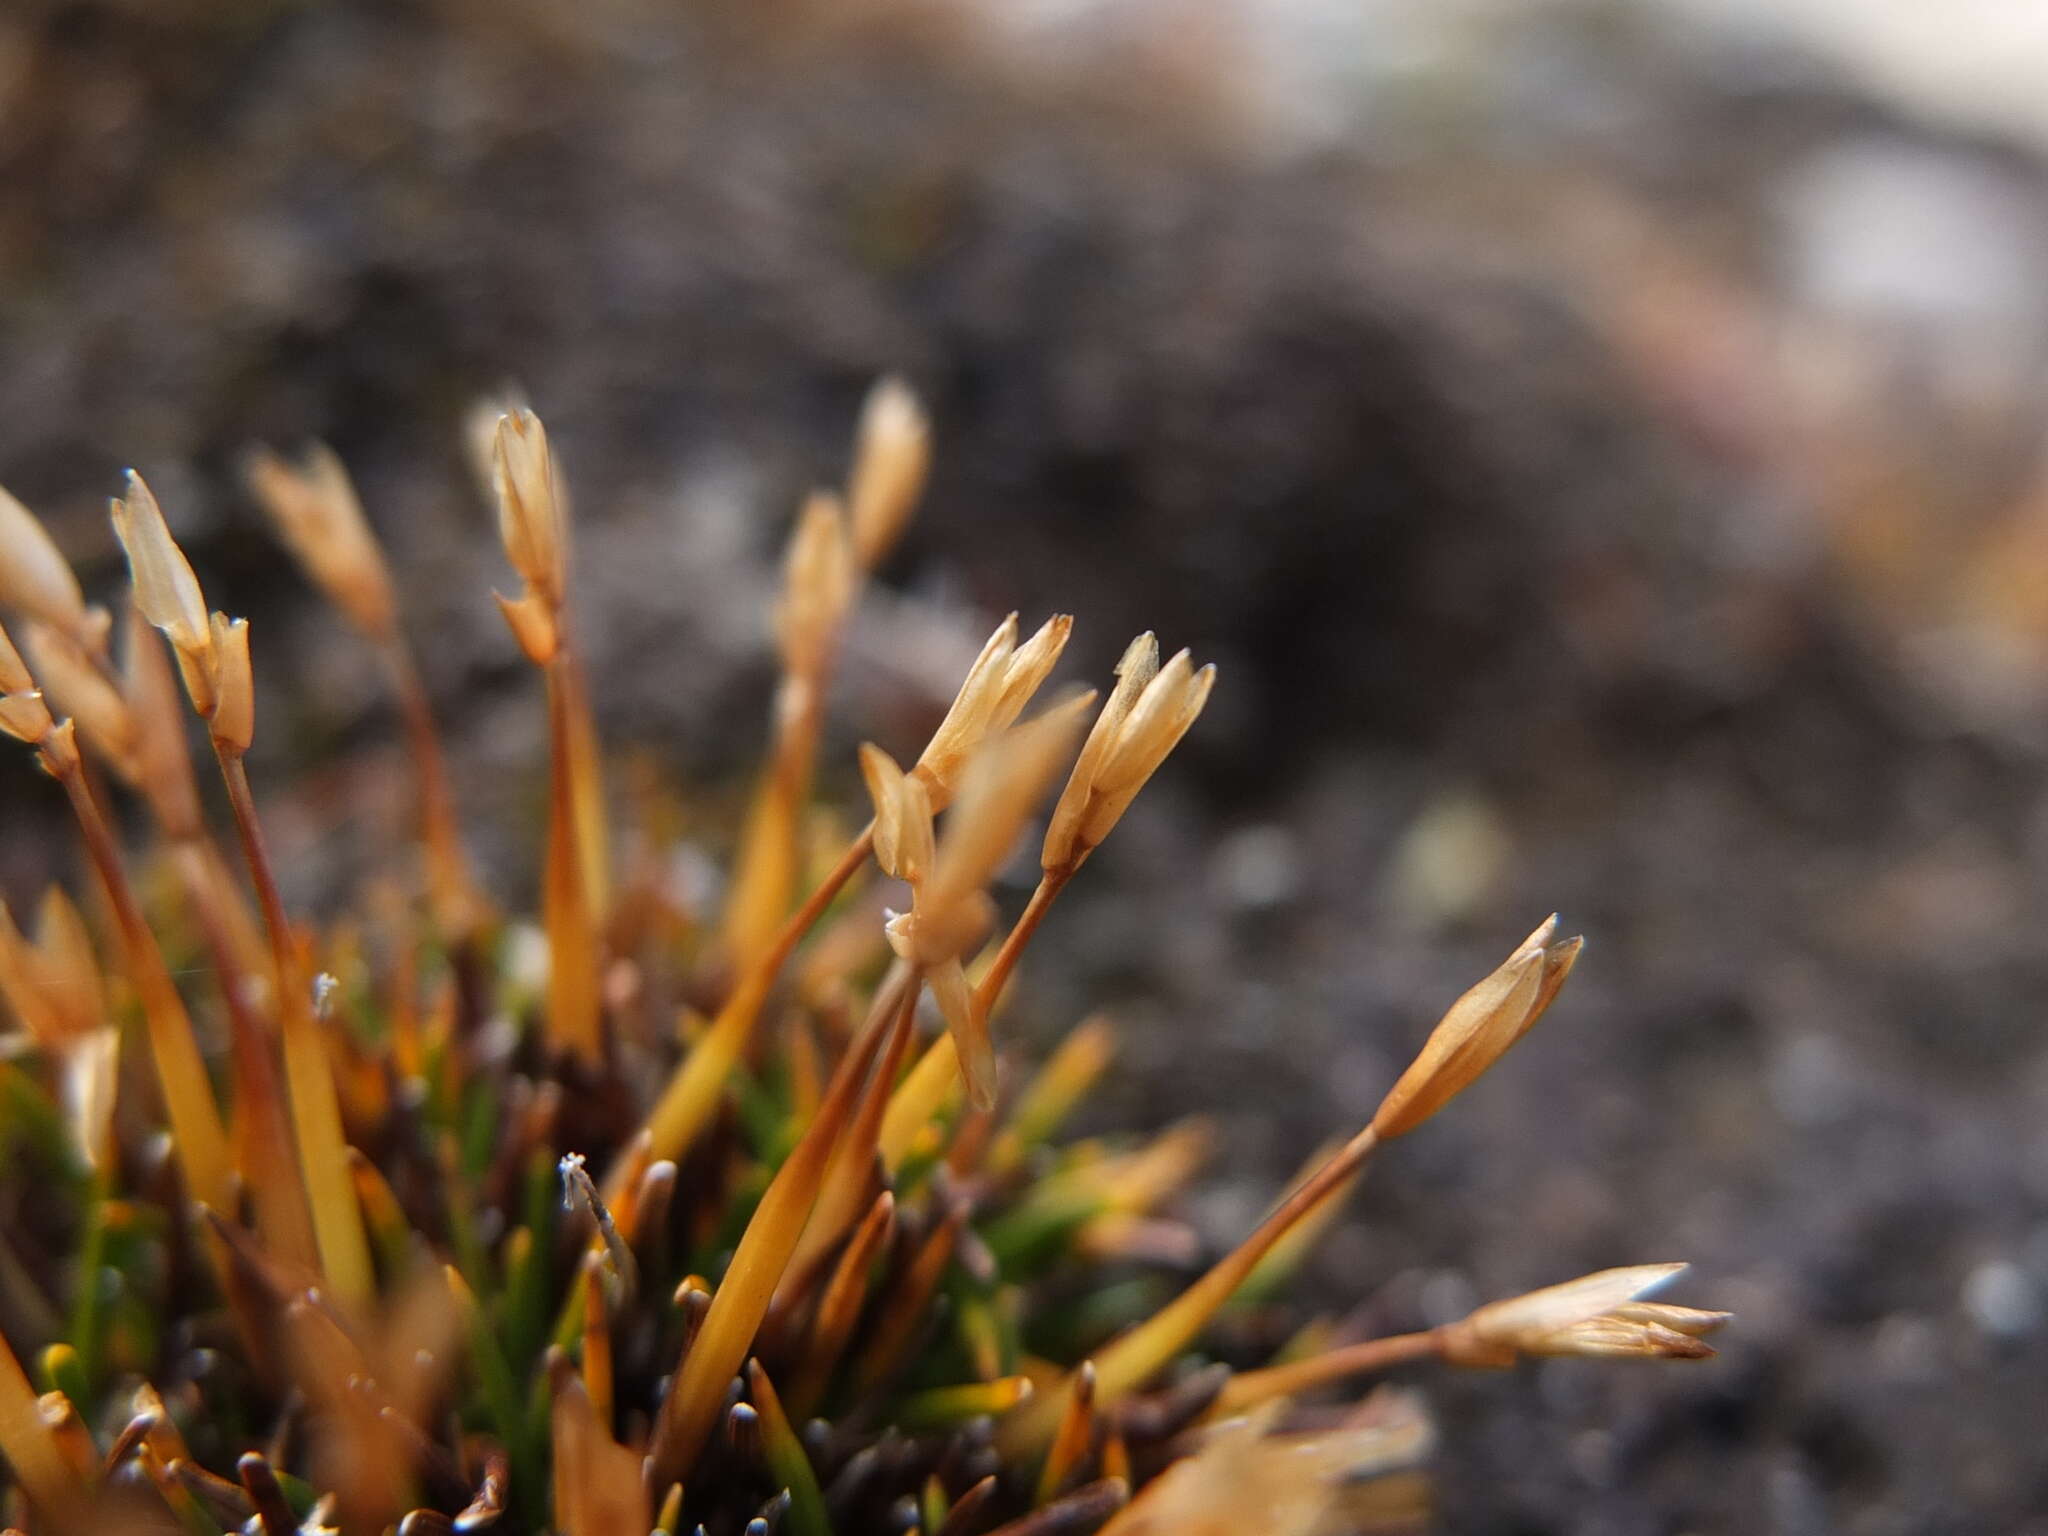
x: 1601, y: 446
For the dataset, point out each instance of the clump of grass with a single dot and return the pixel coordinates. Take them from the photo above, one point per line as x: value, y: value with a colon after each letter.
x: 318, y: 1246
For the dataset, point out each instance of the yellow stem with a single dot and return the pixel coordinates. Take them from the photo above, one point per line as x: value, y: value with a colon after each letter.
x: 766, y: 867
x: 32, y: 1451
x: 1049, y: 886
x: 741, y: 1301
x: 262, y: 1139
x: 575, y: 1002
x: 693, y: 1092
x: 196, y: 1131
x: 1248, y: 1389
x: 1129, y: 1361
x: 309, y: 1073
x: 457, y: 906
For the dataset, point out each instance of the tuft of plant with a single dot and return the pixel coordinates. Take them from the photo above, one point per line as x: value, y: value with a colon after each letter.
x: 688, y: 1225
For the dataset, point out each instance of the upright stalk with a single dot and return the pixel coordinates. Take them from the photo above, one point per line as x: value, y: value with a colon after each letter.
x: 196, y: 1131
x: 309, y: 1074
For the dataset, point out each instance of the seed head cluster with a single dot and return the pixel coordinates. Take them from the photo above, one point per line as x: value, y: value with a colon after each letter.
x: 731, y: 1222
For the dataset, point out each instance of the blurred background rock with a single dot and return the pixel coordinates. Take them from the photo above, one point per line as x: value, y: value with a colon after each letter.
x: 1602, y: 446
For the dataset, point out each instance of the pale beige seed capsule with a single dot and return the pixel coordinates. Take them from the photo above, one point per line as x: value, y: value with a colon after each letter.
x: 817, y: 588
x: 165, y: 587
x: 1478, y: 1029
x: 1688, y: 1320
x: 1617, y: 1338
x: 1137, y: 668
x: 967, y: 720
x: 233, y: 721
x: 37, y: 579
x: 1141, y: 746
x: 1026, y: 670
x: 903, y: 817
x: 883, y: 778
x: 532, y: 516
x: 1138, y: 748
x: 80, y: 689
x: 318, y: 514
x: 892, y: 456
x: 1596, y: 1315
x: 998, y: 791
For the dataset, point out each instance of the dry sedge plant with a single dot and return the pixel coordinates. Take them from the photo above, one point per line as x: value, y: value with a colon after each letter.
x: 713, y: 1227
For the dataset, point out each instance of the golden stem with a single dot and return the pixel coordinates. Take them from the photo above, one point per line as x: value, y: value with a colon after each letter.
x: 450, y: 889
x: 692, y: 1406
x: 692, y: 1093
x: 262, y: 1136
x: 1248, y: 1389
x: 767, y: 862
x: 196, y: 1129
x: 309, y: 1074
x: 1129, y: 1361
x: 575, y: 1001
x: 30, y: 1447
x: 1049, y: 886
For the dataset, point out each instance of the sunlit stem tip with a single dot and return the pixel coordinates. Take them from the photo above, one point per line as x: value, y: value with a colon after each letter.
x: 1600, y: 1315
x: 1478, y: 1029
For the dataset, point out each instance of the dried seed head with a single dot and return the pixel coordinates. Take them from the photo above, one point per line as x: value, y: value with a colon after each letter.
x: 951, y: 913
x: 1027, y: 668
x: 1595, y: 1315
x: 1478, y: 1029
x: 966, y: 721
x: 315, y: 507
x: 1139, y: 665
x: 80, y: 689
x: 233, y: 721
x: 998, y: 790
x: 532, y: 509
x: 817, y: 588
x: 1148, y: 712
x: 903, y: 816
x: 165, y: 587
x: 38, y: 580
x: 999, y: 684
x: 892, y: 454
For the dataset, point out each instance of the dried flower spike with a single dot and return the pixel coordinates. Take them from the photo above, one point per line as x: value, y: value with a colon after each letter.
x: 892, y: 454
x: 1478, y: 1029
x: 1148, y: 712
x: 998, y: 686
x: 314, y: 505
x: 1597, y: 1315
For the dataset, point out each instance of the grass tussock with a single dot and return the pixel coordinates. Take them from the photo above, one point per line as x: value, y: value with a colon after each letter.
x: 363, y: 1228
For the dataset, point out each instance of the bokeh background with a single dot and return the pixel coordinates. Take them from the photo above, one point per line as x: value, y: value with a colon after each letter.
x: 1601, y: 446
